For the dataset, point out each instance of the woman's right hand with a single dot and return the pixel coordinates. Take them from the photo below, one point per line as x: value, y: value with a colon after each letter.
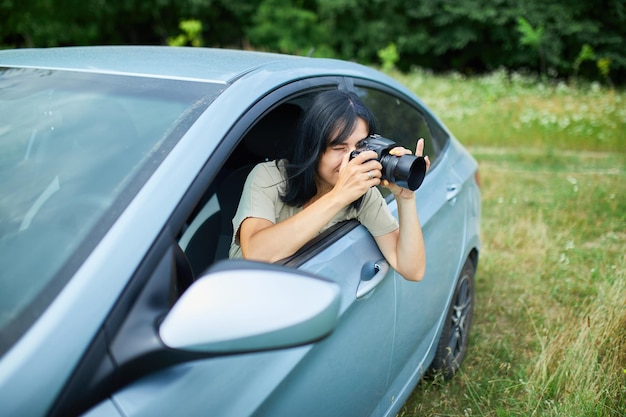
x: 357, y: 175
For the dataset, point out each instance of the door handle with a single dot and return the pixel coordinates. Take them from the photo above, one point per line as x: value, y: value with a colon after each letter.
x: 452, y: 191
x: 365, y: 287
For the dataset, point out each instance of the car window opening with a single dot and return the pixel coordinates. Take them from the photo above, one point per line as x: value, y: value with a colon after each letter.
x: 208, y: 236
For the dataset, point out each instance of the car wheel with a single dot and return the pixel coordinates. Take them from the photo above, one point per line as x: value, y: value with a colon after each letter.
x: 455, y: 335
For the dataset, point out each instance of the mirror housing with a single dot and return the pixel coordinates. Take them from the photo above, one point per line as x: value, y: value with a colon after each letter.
x: 243, y: 306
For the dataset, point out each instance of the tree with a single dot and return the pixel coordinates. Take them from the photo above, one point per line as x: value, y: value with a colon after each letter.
x: 463, y: 35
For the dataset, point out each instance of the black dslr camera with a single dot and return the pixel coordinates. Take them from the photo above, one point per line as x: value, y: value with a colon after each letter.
x: 407, y: 171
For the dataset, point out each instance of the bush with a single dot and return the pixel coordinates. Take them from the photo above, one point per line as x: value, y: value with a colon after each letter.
x: 467, y: 36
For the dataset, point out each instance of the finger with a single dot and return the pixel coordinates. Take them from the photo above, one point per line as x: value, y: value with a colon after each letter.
x: 419, y: 149
x: 371, y: 165
x: 374, y: 174
x: 427, y: 160
x: 399, y: 151
x: 365, y: 156
x: 394, y: 188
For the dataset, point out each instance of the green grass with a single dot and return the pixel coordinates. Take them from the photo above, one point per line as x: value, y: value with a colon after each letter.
x: 512, y: 110
x: 549, y: 331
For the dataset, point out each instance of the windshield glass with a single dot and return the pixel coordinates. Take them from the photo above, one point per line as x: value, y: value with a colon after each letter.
x: 74, y: 149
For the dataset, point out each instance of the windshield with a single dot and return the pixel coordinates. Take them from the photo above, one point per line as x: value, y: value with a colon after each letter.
x: 74, y: 149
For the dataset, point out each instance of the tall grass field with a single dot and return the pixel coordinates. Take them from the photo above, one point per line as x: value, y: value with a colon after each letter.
x: 549, y: 330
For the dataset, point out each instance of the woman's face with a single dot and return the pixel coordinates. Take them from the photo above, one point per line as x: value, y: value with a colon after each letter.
x: 328, y: 168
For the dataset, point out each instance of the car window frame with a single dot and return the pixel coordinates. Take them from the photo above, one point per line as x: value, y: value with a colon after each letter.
x: 205, y: 180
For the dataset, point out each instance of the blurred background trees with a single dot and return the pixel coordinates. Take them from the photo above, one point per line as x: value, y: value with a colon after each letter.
x: 557, y: 38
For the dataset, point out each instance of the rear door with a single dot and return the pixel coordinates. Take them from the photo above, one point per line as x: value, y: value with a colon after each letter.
x: 421, y: 305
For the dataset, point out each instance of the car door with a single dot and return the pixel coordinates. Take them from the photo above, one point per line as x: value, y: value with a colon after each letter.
x: 420, y: 306
x: 347, y: 372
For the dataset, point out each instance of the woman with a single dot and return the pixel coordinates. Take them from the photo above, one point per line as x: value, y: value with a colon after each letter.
x: 285, y: 204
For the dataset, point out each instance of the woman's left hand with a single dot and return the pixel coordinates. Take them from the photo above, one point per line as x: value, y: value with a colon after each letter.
x: 400, y: 192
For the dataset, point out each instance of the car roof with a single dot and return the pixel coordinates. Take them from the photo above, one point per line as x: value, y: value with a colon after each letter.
x: 199, y: 64
x: 225, y: 66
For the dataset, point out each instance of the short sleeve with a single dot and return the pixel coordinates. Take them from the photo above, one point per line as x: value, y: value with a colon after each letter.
x: 375, y: 215
x: 259, y: 198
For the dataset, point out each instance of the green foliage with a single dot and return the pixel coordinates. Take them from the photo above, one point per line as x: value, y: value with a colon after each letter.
x: 469, y: 36
x: 42, y: 23
x: 604, y: 67
x: 281, y: 26
x: 389, y: 57
x: 191, y: 34
x: 534, y: 38
x: 586, y: 54
x: 530, y: 36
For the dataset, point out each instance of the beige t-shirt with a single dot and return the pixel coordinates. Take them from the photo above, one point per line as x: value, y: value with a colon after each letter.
x: 261, y: 198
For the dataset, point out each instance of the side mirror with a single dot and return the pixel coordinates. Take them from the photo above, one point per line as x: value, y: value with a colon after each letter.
x: 242, y: 306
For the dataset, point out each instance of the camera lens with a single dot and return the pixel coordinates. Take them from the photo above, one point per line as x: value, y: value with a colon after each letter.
x: 407, y: 170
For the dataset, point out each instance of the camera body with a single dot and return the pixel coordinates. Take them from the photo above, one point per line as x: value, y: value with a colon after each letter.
x: 407, y: 171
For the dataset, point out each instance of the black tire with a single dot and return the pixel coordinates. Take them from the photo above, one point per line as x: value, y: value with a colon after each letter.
x: 455, y: 335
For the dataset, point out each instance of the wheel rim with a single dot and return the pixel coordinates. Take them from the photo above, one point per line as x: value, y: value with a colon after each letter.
x: 461, y: 310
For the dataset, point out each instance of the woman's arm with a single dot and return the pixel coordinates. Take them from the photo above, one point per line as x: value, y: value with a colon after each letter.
x: 262, y: 240
x: 404, y: 247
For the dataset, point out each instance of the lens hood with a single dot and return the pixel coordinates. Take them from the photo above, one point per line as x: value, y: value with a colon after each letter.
x: 409, y: 171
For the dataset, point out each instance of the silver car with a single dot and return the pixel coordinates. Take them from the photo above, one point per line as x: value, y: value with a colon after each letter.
x: 120, y: 171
